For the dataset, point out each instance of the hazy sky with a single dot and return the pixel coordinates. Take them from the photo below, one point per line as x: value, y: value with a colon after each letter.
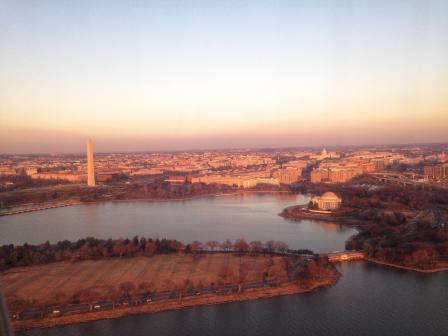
x: 150, y: 75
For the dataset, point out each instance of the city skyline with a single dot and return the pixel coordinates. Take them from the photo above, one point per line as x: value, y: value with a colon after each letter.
x: 205, y: 75
x: 105, y: 149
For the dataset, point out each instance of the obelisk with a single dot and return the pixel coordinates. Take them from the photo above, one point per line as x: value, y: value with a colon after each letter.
x: 90, y: 164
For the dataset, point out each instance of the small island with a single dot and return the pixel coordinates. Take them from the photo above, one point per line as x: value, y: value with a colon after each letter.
x: 399, y: 225
x: 71, y: 282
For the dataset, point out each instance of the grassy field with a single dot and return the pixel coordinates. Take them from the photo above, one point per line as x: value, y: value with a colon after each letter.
x: 45, y: 283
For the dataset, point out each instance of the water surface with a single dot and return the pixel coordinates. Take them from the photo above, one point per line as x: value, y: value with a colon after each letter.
x: 249, y: 216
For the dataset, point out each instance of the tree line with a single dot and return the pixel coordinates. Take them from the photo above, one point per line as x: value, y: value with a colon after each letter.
x: 94, y: 248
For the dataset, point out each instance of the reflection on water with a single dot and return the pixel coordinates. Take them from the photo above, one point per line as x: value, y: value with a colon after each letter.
x: 92, y: 220
x: 251, y: 216
x: 333, y: 227
x: 329, y: 226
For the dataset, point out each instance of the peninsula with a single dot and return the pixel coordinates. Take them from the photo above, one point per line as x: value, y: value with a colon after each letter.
x: 48, y: 285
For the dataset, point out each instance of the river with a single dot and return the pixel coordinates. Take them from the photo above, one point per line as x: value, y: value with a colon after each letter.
x: 368, y: 300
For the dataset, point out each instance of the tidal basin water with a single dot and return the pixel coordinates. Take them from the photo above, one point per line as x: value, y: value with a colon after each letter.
x: 249, y: 216
x: 368, y: 300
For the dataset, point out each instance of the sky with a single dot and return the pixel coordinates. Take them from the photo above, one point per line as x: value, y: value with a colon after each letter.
x: 174, y: 75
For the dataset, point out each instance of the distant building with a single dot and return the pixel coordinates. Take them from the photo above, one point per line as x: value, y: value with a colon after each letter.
x: 329, y: 201
x: 179, y: 179
x: 250, y: 183
x: 380, y: 164
x: 7, y: 171
x: 299, y: 164
x: 436, y: 171
x: 333, y: 174
x: 147, y: 171
x: 316, y: 175
x: 236, y: 181
x: 66, y: 176
x: 342, y: 171
x: 288, y: 175
x: 31, y: 170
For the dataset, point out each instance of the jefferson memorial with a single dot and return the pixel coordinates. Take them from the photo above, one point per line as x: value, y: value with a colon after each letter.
x: 328, y: 201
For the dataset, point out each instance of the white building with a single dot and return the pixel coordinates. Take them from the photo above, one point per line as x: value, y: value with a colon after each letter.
x: 328, y: 201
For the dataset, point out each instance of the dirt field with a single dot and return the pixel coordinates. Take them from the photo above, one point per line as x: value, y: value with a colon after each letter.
x: 43, y: 284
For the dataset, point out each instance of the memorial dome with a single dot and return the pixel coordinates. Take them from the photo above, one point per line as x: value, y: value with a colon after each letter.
x: 329, y: 196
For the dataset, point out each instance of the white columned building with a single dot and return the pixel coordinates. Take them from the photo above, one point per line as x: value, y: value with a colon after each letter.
x: 328, y: 201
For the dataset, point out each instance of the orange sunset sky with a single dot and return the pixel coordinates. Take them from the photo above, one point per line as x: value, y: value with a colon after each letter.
x: 201, y: 75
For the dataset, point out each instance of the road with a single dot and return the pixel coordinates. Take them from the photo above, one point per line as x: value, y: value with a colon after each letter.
x: 55, y: 310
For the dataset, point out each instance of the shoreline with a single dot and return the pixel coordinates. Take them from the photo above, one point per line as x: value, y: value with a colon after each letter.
x: 48, y: 206
x: 173, y: 304
x: 345, y: 220
x: 38, y: 207
x: 407, y: 268
x: 238, y: 192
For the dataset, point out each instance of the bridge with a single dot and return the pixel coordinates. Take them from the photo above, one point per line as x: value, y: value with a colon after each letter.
x: 406, y: 180
x: 395, y: 178
x: 345, y: 256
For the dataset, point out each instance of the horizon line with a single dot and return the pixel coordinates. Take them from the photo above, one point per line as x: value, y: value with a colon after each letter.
x: 249, y: 149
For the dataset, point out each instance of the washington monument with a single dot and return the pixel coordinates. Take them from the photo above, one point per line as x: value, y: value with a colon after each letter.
x: 90, y: 164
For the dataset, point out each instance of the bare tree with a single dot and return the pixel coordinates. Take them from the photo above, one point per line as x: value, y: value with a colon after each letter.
x: 241, y: 245
x: 255, y: 246
x: 126, y: 288
x: 196, y: 246
x: 113, y: 295
x: 119, y: 248
x: 281, y: 246
x: 145, y: 287
x: 270, y: 245
x: 150, y: 248
x: 212, y: 245
x: 176, y: 245
x: 227, y: 245
x: 179, y: 289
